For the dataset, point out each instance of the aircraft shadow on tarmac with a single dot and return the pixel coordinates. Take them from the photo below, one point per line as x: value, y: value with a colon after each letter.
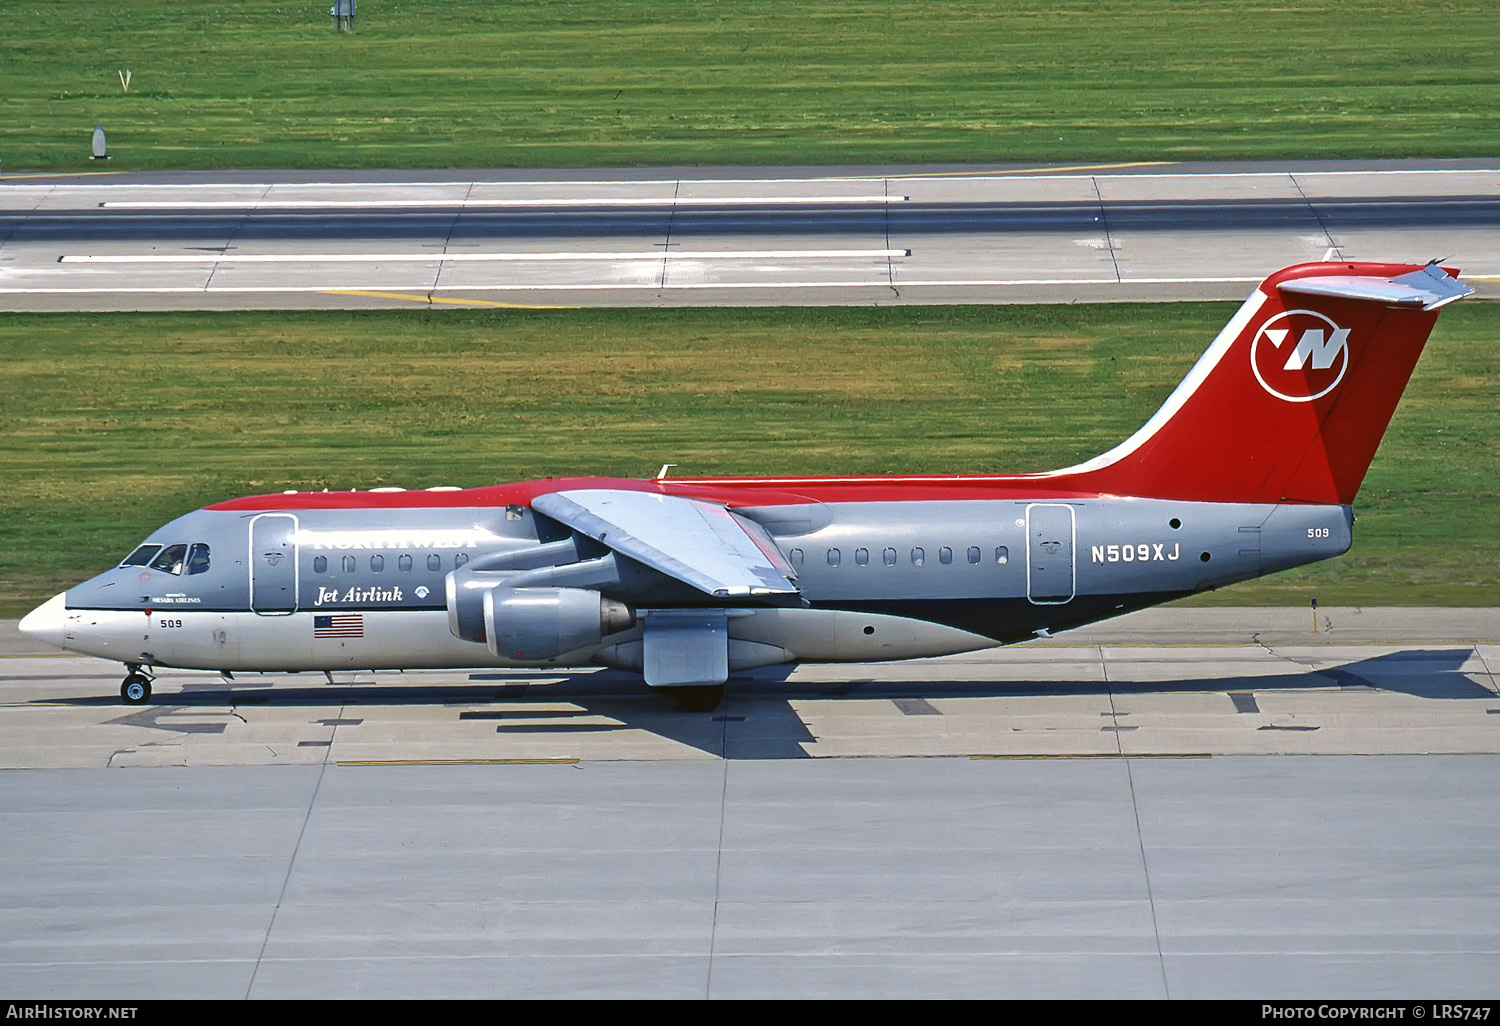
x: 596, y: 702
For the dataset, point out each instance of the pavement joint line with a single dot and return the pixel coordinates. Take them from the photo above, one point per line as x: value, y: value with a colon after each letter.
x: 1334, y: 249
x: 239, y: 226
x: 448, y: 239
x: 1487, y: 671
x: 1114, y: 258
x: 291, y: 863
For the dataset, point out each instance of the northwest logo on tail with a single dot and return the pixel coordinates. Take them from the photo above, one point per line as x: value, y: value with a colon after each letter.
x: 1300, y: 355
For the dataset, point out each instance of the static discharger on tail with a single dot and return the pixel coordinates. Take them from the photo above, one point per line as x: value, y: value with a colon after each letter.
x: 1250, y: 467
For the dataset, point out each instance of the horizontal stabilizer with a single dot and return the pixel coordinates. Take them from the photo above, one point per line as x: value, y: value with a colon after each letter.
x: 1428, y: 288
x: 702, y: 544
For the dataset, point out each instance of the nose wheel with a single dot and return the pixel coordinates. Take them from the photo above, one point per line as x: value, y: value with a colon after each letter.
x: 136, y: 688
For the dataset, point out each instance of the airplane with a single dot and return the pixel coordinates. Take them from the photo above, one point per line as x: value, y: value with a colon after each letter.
x: 1251, y: 466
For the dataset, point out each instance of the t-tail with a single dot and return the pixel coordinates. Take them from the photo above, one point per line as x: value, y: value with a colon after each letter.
x: 1290, y: 402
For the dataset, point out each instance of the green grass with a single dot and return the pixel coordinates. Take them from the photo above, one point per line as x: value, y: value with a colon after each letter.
x: 436, y: 83
x: 115, y: 423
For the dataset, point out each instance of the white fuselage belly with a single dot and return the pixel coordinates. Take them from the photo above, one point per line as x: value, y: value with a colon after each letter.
x: 420, y: 639
x: 251, y: 641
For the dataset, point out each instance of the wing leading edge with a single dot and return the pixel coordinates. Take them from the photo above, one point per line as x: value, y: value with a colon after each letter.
x: 702, y: 544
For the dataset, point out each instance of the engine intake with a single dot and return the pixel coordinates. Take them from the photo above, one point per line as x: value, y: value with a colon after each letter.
x: 465, y: 594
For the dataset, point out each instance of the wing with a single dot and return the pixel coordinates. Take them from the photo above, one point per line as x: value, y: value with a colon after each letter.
x: 701, y: 544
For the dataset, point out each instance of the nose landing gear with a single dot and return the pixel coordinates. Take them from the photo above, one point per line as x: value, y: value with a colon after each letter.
x: 136, y: 688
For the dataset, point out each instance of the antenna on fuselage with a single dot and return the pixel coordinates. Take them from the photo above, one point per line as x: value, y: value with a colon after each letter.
x: 661, y: 475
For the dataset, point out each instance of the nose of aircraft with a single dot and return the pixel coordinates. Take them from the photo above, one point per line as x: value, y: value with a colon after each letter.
x: 47, y: 621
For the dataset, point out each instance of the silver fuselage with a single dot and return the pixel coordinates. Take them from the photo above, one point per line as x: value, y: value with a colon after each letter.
x: 879, y: 580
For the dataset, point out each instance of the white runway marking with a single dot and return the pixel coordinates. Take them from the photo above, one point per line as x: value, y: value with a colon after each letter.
x: 1105, y: 171
x: 280, y: 258
x: 636, y: 286
x: 484, y: 204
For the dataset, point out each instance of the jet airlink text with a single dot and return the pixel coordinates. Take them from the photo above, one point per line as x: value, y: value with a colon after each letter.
x: 359, y: 595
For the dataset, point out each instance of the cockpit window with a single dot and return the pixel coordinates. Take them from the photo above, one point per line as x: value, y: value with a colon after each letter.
x: 141, y: 556
x: 170, y: 560
x: 197, y: 560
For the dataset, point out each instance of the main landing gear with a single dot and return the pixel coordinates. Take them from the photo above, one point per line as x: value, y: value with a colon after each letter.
x: 136, y: 688
x: 697, y: 697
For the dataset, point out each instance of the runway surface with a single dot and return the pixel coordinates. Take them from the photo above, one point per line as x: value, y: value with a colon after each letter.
x: 1211, y: 803
x: 726, y: 237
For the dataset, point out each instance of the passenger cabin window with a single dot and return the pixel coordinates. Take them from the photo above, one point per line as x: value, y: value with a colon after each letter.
x: 170, y: 559
x: 348, y: 564
x: 460, y: 559
x: 1002, y: 554
x: 434, y: 562
x: 973, y: 554
x: 320, y: 564
x: 403, y: 563
x: 377, y: 564
x: 918, y: 557
x: 862, y: 557
x: 796, y: 557
x: 141, y: 556
x: 889, y: 555
x: 197, y: 561
x: 833, y: 557
x: 945, y: 555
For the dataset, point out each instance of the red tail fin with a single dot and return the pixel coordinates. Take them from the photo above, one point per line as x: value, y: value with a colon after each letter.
x: 1290, y: 401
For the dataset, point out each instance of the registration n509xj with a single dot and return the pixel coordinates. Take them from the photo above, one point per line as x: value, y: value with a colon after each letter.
x: 1138, y: 552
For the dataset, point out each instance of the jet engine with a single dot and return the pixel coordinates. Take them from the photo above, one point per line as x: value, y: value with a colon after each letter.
x: 465, y: 594
x: 538, y: 624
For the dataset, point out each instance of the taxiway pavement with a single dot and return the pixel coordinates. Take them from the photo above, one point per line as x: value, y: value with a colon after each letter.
x: 1199, y: 803
x: 1163, y: 682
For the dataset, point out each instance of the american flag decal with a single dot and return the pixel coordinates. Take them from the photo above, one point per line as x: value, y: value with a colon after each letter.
x: 339, y: 625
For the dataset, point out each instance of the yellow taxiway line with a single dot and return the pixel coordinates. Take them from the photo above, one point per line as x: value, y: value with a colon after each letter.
x: 456, y: 762
x: 420, y: 298
x: 1044, y: 170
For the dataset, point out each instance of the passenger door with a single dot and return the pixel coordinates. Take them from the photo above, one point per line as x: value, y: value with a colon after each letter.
x: 273, y: 564
x: 1049, y: 553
